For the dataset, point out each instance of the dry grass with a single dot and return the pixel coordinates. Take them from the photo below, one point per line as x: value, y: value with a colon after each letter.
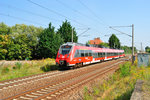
x: 26, y: 68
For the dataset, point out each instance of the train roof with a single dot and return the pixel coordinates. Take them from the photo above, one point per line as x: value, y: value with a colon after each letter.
x: 84, y: 46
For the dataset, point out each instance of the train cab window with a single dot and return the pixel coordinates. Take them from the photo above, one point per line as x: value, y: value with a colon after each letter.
x: 65, y: 49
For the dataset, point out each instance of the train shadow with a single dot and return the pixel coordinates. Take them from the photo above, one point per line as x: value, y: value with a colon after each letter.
x: 48, y: 68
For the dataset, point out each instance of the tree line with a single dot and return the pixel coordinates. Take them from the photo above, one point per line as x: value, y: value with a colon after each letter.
x: 147, y: 49
x: 20, y: 42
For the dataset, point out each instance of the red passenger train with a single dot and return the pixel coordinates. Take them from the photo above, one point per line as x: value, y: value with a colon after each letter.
x: 75, y: 54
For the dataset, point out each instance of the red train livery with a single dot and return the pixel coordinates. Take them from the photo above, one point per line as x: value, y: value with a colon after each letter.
x: 75, y: 54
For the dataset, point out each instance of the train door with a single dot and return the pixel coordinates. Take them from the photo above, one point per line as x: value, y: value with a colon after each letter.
x: 105, y: 56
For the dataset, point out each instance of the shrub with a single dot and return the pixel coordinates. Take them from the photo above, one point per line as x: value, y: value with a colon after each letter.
x: 17, y: 65
x: 125, y: 69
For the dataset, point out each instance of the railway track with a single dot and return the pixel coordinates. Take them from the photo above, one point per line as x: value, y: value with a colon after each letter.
x: 52, y: 85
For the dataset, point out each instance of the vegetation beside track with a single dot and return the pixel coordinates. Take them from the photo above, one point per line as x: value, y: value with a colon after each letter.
x: 26, y: 68
x: 120, y: 85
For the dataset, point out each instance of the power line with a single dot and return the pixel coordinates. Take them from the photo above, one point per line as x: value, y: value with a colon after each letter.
x: 84, y: 32
x: 57, y: 13
x: 115, y: 34
x: 67, y: 6
x: 12, y: 7
x: 120, y: 31
x: 92, y: 12
x: 21, y: 19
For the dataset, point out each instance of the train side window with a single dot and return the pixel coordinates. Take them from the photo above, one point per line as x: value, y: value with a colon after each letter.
x: 99, y: 54
x: 103, y: 54
x: 90, y: 52
x: 94, y: 55
x: 107, y: 54
x: 82, y: 53
x: 86, y: 53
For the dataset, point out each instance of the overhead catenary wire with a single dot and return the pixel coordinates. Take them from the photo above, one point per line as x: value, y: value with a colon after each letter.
x: 2, y: 14
x: 120, y: 31
x: 29, y: 12
x: 95, y: 15
x: 57, y: 13
x: 83, y: 32
x: 67, y: 6
x: 92, y: 12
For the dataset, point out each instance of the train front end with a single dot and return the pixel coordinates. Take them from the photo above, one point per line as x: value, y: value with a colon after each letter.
x: 64, y: 55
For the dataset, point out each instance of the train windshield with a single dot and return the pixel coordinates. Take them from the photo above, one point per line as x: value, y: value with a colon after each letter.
x: 65, y: 49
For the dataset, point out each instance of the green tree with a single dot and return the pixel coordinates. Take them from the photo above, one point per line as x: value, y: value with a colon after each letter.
x: 4, y: 29
x: 128, y: 50
x: 66, y: 32
x: 19, y: 41
x: 32, y: 35
x: 114, y: 41
x: 49, y: 43
x: 147, y: 49
x: 4, y: 44
x: 19, y: 49
x: 104, y: 44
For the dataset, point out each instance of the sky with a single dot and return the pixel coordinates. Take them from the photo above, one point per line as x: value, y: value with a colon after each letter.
x: 90, y: 17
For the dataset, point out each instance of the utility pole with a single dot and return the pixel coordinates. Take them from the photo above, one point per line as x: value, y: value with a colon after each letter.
x: 141, y: 48
x: 72, y: 35
x: 133, y: 58
x: 112, y: 27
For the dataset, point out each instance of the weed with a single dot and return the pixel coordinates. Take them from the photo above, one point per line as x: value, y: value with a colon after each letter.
x: 96, y: 91
x: 87, y: 96
x: 126, y: 95
x: 17, y: 65
x: 125, y: 69
x: 4, y: 70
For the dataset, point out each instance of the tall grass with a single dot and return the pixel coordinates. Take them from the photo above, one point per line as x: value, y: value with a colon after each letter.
x: 125, y: 69
x: 25, y: 69
x: 120, y: 85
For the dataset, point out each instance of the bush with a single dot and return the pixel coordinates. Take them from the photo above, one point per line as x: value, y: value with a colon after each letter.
x: 17, y: 65
x: 125, y: 69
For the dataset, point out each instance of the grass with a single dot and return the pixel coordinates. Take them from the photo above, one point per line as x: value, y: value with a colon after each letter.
x: 19, y: 69
x: 120, y: 85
